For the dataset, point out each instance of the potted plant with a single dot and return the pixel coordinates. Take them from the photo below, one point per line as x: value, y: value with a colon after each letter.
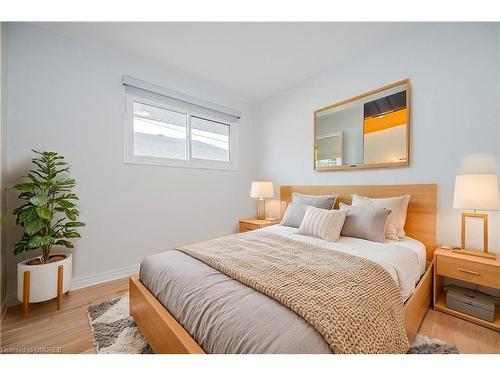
x: 48, y: 217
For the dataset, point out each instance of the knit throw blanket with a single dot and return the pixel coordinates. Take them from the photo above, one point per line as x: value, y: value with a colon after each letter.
x: 352, y: 302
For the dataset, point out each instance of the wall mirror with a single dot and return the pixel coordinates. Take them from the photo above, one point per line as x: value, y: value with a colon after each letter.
x: 371, y: 130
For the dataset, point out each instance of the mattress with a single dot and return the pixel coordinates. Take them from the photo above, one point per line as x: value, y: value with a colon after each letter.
x: 225, y: 316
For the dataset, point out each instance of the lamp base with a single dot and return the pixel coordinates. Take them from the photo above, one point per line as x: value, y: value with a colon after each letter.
x: 477, y: 253
x: 474, y: 214
x: 261, y: 209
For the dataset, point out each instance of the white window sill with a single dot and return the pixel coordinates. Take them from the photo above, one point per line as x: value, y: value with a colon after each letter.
x: 194, y: 163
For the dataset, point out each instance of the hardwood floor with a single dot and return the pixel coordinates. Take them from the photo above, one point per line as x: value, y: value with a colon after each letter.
x: 68, y: 330
x: 467, y: 336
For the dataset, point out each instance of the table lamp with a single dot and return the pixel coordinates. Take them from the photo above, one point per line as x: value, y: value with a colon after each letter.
x: 261, y: 190
x: 476, y: 192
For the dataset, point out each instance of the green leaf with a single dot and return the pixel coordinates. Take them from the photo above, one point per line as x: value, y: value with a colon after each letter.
x: 39, y: 241
x: 62, y: 170
x: 44, y: 213
x: 65, y: 203
x: 20, y: 208
x: 35, y: 242
x: 69, y: 182
x: 27, y: 215
x: 59, y: 221
x: 20, y: 247
x: 42, y: 168
x: 46, y: 185
x: 25, y: 187
x: 33, y: 227
x: 70, y: 196
x: 72, y: 235
x: 64, y: 243
x: 38, y: 173
x: 39, y: 200
x: 73, y: 224
x: 26, y: 195
x: 71, y: 214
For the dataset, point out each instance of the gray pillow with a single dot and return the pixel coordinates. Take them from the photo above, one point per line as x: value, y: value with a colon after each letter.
x: 294, y: 214
x: 320, y: 201
x: 365, y: 222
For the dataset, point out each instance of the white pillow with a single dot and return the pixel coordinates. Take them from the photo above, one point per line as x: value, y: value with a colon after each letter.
x: 396, y: 220
x: 322, y: 223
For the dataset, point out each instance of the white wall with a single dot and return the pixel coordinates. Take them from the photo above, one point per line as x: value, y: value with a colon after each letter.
x: 454, y: 74
x: 3, y: 263
x: 68, y: 98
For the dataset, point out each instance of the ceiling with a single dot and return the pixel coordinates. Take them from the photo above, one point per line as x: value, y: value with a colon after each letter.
x: 252, y: 60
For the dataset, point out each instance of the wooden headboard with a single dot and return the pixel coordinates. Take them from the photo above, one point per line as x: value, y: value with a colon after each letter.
x: 421, y: 215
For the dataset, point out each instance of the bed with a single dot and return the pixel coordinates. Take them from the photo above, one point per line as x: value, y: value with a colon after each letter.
x: 176, y: 294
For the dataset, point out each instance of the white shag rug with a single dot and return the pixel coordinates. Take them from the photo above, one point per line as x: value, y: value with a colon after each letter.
x: 115, y: 332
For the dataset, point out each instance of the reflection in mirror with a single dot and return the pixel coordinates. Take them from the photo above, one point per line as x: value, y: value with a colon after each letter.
x: 384, y: 129
x: 371, y: 130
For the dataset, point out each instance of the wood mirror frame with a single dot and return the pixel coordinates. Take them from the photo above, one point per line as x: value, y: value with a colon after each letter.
x: 367, y: 165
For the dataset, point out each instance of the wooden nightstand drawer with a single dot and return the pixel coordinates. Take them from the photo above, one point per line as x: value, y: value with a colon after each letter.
x: 464, y: 267
x: 245, y: 227
x: 474, y: 272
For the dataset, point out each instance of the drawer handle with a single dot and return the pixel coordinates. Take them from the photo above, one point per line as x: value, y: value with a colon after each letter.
x: 468, y: 271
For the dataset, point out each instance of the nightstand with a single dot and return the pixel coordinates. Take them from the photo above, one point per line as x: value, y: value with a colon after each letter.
x: 473, y: 269
x: 252, y: 224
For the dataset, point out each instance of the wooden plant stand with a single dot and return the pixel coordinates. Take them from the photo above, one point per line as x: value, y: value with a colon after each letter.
x: 26, y: 289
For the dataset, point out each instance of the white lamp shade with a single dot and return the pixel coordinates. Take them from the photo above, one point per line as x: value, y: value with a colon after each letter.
x: 476, y: 192
x: 262, y: 189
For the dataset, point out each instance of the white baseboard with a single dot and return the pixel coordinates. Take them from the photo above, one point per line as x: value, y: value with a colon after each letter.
x: 85, y: 281
x: 81, y: 282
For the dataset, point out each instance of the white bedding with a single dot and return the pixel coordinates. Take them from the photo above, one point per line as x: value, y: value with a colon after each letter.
x: 404, y: 260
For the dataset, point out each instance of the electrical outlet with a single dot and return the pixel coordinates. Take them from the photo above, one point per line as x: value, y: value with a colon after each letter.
x: 283, y: 205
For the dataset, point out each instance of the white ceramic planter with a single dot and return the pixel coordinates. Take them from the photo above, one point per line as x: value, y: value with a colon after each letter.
x: 43, y: 278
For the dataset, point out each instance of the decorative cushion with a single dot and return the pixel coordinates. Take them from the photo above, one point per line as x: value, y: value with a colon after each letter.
x: 397, y: 218
x: 293, y: 215
x: 320, y: 201
x: 368, y: 223
x: 321, y: 223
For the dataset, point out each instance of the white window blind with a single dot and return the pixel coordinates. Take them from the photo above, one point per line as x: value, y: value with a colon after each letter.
x: 178, y: 99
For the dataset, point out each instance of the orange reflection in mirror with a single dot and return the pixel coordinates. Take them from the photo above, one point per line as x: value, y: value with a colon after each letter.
x: 386, y: 121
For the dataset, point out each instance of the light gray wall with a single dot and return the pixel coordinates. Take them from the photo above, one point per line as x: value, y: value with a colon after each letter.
x: 454, y: 74
x: 68, y: 97
x: 3, y: 263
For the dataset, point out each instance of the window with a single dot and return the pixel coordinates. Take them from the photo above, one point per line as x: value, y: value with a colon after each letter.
x: 209, y: 139
x: 158, y: 133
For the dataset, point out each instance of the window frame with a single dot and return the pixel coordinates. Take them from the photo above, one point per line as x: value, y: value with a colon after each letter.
x: 129, y: 156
